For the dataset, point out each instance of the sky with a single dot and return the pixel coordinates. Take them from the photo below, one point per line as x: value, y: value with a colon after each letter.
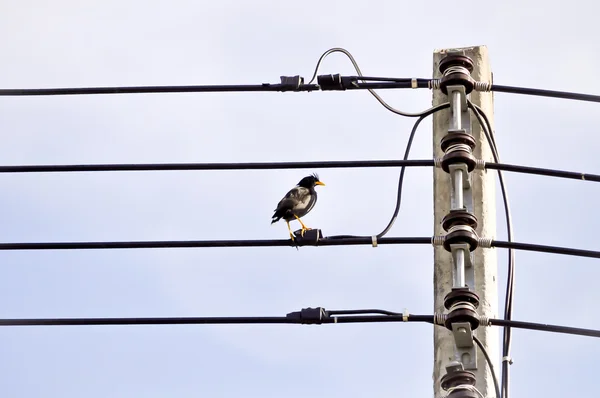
x: 128, y: 43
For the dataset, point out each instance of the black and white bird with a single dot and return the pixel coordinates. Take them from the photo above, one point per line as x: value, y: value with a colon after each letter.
x: 298, y: 202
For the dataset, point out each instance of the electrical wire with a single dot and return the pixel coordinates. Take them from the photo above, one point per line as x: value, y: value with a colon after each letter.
x: 68, y: 168
x: 489, y: 133
x: 490, y: 364
x: 362, y: 312
x: 214, y: 166
x: 406, y: 154
x: 207, y: 243
x: 402, y: 82
x: 377, y: 86
x: 358, y: 71
x: 292, y: 318
x: 545, y: 327
x: 539, y: 171
x: 328, y: 241
x: 313, y: 316
x: 545, y: 93
x: 420, y: 115
x: 159, y: 89
x: 296, y: 86
x: 546, y: 249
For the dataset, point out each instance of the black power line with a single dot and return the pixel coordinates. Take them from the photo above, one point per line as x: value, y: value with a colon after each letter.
x: 545, y: 327
x: 332, y: 241
x: 546, y: 249
x: 214, y: 166
x: 329, y: 164
x: 293, y: 83
x: 490, y: 364
x: 545, y: 93
x: 485, y: 124
x: 545, y: 172
x: 311, y: 316
x: 293, y: 319
x: 340, y: 240
x: 159, y: 89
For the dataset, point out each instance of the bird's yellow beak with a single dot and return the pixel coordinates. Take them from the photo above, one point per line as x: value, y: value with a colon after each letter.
x: 319, y: 183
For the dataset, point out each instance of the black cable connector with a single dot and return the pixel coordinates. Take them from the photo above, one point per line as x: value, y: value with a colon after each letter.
x: 291, y: 83
x: 338, y: 82
x: 333, y: 82
x: 309, y: 316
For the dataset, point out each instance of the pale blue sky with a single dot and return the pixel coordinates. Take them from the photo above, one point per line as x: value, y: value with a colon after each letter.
x: 110, y: 43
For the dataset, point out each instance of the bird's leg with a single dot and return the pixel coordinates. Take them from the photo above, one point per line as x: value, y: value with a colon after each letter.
x: 290, y: 229
x: 304, y: 227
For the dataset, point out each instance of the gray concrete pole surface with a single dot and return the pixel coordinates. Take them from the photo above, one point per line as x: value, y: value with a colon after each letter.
x: 483, y: 205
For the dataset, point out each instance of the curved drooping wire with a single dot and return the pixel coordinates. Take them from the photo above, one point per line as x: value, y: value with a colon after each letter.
x: 508, y: 306
x: 421, y: 116
x: 490, y: 364
x: 401, y: 177
x: 402, y: 169
x: 358, y: 71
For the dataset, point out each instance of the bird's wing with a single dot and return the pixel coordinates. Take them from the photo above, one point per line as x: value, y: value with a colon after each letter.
x: 296, y: 199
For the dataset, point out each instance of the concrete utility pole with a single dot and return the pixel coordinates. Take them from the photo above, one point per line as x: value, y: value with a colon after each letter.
x: 475, y: 196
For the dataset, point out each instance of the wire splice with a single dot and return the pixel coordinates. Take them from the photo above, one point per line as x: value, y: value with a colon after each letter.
x: 309, y: 316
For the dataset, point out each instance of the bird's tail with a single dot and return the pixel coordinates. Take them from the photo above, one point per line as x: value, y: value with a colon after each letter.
x: 275, y: 219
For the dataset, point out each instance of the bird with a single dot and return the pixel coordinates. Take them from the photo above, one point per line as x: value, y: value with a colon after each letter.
x: 298, y: 202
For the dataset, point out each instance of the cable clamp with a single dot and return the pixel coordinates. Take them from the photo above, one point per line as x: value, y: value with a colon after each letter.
x: 374, y: 240
x: 484, y: 320
x: 485, y: 242
x: 291, y: 82
x: 437, y: 162
x: 433, y: 84
x: 438, y: 240
x: 480, y: 164
x: 439, y: 319
x: 483, y: 86
x: 508, y: 359
x: 405, y: 315
x: 310, y: 316
x: 413, y: 83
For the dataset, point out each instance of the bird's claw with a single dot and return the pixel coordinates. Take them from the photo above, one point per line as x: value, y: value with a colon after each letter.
x: 304, y: 230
